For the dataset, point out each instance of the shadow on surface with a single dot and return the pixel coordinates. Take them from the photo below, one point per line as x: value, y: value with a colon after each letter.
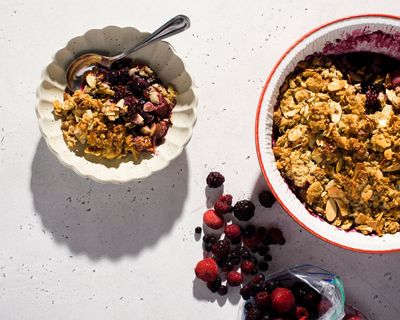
x: 101, y: 220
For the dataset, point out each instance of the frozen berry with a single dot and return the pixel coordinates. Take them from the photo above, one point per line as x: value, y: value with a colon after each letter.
x: 247, y: 266
x: 262, y: 299
x: 222, y: 207
x: 215, y: 179
x: 221, y: 249
x: 355, y: 317
x: 253, y: 314
x: 248, y: 306
x: 275, y: 235
x: 266, y: 198
x: 207, y: 269
x: 234, y: 278
x: 223, y: 290
x: 302, y: 313
x: 305, y: 295
x: 197, y: 230
x: 212, y: 219
x: 282, y: 300
x: 232, y: 231
x: 227, y: 198
x: 244, y: 210
x: 214, y: 285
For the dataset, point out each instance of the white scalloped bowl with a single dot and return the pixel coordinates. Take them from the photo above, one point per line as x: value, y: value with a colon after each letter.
x: 162, y: 58
x: 334, y: 37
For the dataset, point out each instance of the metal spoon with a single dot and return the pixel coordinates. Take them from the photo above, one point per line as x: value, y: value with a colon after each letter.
x: 86, y: 62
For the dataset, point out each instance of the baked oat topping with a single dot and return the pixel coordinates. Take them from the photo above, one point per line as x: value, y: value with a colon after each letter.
x: 125, y: 110
x: 337, y: 125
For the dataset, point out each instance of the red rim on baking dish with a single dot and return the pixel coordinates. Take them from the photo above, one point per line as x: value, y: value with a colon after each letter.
x: 315, y: 225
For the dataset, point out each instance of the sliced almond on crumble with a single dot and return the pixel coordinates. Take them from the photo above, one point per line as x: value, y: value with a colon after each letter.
x: 91, y: 80
x: 331, y: 210
x: 294, y: 134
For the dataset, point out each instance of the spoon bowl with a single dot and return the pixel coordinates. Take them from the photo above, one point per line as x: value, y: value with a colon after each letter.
x: 86, y: 62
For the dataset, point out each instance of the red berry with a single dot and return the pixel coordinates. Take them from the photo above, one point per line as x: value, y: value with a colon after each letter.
x: 262, y: 299
x: 302, y: 313
x: 247, y: 266
x: 207, y: 270
x: 355, y: 317
x: 212, y: 219
x: 233, y: 231
x: 227, y: 198
x: 282, y: 300
x: 222, y: 207
x: 234, y: 278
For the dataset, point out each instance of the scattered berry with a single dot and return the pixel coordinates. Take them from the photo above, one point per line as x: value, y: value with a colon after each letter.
x: 305, y: 295
x: 275, y: 235
x: 301, y: 313
x: 355, y: 317
x: 207, y: 269
x: 248, y: 306
x: 266, y: 198
x: 215, y: 179
x: 234, y: 278
x: 282, y: 300
x: 262, y: 299
x: 253, y: 314
x: 221, y: 248
x: 212, y: 219
x: 227, y: 198
x: 247, y: 266
x: 222, y: 207
x: 232, y: 231
x: 214, y: 285
x: 244, y: 210
x: 223, y: 290
x: 197, y: 230
x: 263, y: 266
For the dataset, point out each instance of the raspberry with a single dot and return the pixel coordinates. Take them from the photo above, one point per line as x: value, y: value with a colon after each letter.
x: 227, y: 198
x: 244, y: 210
x: 282, y: 300
x: 301, y: 313
x: 262, y: 299
x: 247, y: 266
x: 266, y: 199
x: 207, y: 270
x: 221, y: 248
x: 215, y: 179
x: 222, y: 207
x: 233, y: 231
x: 212, y: 219
x: 234, y: 278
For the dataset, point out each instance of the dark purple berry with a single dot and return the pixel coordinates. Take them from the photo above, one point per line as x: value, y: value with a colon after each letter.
x: 266, y: 199
x: 214, y: 285
x: 221, y: 248
x: 223, y: 290
x: 267, y: 257
x: 215, y: 179
x: 244, y: 210
x: 248, y: 306
x: 263, y: 266
x: 197, y: 230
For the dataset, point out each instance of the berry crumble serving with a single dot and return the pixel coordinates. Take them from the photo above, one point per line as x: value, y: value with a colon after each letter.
x: 337, y: 139
x: 121, y: 111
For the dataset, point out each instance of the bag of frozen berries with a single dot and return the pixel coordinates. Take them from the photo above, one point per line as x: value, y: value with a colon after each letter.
x: 303, y: 292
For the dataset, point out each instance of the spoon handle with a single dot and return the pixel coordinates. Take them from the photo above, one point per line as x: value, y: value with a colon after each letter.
x: 173, y: 26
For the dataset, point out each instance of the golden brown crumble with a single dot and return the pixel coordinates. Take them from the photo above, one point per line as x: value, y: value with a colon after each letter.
x: 342, y: 159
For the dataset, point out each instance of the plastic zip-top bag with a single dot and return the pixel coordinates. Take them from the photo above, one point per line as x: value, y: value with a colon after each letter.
x: 327, y: 284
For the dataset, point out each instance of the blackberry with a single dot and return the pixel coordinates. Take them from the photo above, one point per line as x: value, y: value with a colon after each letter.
x: 244, y: 210
x: 244, y: 252
x: 215, y: 179
x: 267, y: 257
x: 222, y: 290
x: 197, y: 230
x: 116, y: 77
x: 214, y: 285
x: 228, y: 266
x: 209, y: 238
x: 248, y: 306
x: 221, y: 248
x: 253, y: 314
x: 266, y: 199
x: 208, y: 246
x: 263, y: 250
x: 372, y: 92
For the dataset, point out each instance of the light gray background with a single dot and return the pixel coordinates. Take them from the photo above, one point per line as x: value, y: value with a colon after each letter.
x: 73, y: 249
